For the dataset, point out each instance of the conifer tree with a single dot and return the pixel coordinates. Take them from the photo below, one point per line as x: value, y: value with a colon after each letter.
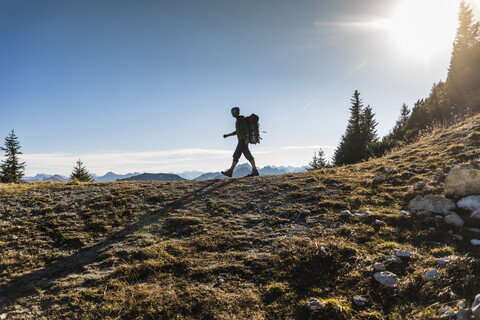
x: 80, y: 173
x: 318, y: 162
x: 12, y: 168
x: 350, y: 149
x: 404, y: 114
x: 463, y: 73
x: 368, y: 126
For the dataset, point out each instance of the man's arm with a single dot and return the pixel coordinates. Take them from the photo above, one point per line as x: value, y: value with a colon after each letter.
x: 230, y: 134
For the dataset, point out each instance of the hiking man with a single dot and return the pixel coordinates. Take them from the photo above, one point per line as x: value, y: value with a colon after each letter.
x: 242, y: 132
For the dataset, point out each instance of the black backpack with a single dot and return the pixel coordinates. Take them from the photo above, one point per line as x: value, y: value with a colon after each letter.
x: 254, y: 129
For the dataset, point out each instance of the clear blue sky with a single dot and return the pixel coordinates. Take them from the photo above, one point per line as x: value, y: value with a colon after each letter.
x: 147, y: 85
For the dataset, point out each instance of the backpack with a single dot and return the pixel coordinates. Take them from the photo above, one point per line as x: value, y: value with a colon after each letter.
x: 254, y: 129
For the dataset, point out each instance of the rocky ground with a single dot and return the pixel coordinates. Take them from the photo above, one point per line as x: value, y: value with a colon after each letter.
x: 379, y: 240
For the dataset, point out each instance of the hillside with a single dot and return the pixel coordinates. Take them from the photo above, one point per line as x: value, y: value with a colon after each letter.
x: 273, y: 247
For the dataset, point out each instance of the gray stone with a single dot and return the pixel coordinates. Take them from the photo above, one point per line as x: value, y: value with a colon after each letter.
x: 475, y: 242
x: 432, y: 275
x: 392, y: 258
x: 403, y: 253
x: 386, y: 278
x: 420, y: 186
x: 432, y: 229
x: 454, y: 219
x: 380, y: 223
x: 378, y: 179
x: 379, y: 267
x: 314, y: 304
x: 442, y: 262
x: 476, y: 307
x: 432, y: 203
x: 322, y: 252
x: 476, y: 214
x: 345, y: 214
x: 461, y: 182
x: 359, y: 301
x: 476, y: 230
x: 391, y: 170
x: 457, y: 237
x: 439, y: 175
x: 403, y: 214
x: 463, y: 314
x: 471, y: 203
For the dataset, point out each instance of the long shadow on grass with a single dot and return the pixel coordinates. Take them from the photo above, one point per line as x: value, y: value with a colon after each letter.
x: 29, y: 284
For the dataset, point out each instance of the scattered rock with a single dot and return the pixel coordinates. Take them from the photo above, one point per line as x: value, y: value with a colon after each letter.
x: 432, y: 203
x: 379, y: 267
x: 463, y: 314
x: 439, y: 175
x: 391, y: 170
x: 322, y: 252
x: 461, y: 182
x: 345, y: 214
x: 403, y: 253
x: 422, y: 186
x: 403, y: 214
x: 442, y: 262
x: 380, y: 223
x: 475, y: 242
x: 457, y: 237
x: 314, y: 304
x: 378, y: 179
x: 359, y: 301
x: 476, y: 214
x: 476, y: 230
x: 471, y: 203
x: 432, y: 275
x: 362, y: 214
x: 437, y: 217
x: 454, y: 219
x: 476, y: 307
x: 432, y: 229
x: 386, y: 278
x: 306, y: 240
x: 305, y: 211
x: 392, y: 258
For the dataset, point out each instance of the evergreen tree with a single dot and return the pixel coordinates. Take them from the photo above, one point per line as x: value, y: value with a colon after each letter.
x: 12, y: 168
x: 80, y: 173
x: 318, y: 162
x: 368, y: 126
x: 404, y: 114
x: 351, y: 149
x: 463, y: 73
x: 398, y: 131
x: 369, y: 136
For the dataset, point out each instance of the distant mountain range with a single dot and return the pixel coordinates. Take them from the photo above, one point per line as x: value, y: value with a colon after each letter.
x: 240, y: 171
x: 154, y: 177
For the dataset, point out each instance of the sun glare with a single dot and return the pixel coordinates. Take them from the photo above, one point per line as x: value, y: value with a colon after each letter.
x: 423, y: 28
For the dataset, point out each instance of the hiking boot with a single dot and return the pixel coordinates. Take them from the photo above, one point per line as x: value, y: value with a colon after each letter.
x: 227, y: 173
x: 254, y: 173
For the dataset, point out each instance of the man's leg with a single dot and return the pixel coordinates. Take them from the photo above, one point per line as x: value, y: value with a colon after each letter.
x: 248, y: 155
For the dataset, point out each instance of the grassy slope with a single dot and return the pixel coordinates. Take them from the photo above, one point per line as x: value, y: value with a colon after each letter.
x: 237, y: 248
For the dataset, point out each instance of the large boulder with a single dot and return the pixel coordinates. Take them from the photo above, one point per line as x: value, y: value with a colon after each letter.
x: 461, y: 182
x: 432, y: 203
